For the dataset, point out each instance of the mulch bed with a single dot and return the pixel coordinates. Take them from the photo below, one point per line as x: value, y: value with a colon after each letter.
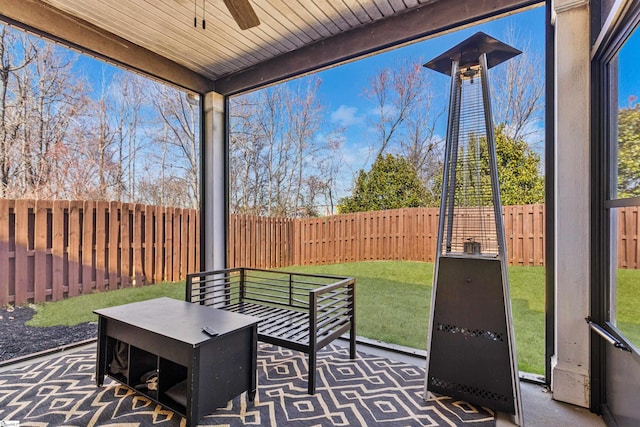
x: 19, y: 340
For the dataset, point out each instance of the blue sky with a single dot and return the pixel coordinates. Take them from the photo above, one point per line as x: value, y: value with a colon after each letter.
x: 629, y: 62
x: 342, y: 86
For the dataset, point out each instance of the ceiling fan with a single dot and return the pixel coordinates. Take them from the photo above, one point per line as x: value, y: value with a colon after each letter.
x: 241, y: 11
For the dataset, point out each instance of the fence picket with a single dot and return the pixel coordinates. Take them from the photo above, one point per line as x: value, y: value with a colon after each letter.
x: 634, y: 245
x: 158, y: 245
x: 5, y: 292
x: 125, y: 246
x: 168, y: 243
x: 21, y: 252
x: 196, y: 248
x: 42, y: 260
x: 59, y: 240
x: 101, y: 215
x: 174, y: 248
x: 148, y: 244
x: 114, y: 245
x: 182, y: 254
x: 138, y: 231
x: 86, y: 246
x: 74, y: 263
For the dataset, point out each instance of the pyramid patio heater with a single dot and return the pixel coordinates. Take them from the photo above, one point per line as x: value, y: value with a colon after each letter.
x: 471, y: 349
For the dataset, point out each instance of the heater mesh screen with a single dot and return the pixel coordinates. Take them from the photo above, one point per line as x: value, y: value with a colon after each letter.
x: 470, y: 226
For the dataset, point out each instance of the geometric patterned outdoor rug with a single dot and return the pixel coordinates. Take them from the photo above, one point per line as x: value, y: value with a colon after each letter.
x: 367, y: 391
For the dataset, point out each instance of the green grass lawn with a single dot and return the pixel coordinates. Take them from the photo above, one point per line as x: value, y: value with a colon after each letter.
x: 628, y: 304
x: 392, y: 304
x: 73, y: 311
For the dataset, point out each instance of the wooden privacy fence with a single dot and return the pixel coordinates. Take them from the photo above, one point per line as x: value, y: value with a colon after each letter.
x: 397, y: 234
x: 628, y: 242
x: 50, y: 250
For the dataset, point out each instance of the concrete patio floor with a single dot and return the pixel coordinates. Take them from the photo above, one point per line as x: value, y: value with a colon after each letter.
x: 539, y: 408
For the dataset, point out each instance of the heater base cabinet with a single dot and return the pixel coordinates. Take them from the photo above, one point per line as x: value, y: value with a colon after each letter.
x: 192, y: 374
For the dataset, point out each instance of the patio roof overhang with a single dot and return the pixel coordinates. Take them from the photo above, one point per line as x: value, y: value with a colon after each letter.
x: 159, y: 38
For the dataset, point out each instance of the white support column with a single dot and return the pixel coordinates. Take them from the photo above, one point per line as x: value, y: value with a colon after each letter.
x: 570, y: 364
x: 213, y: 216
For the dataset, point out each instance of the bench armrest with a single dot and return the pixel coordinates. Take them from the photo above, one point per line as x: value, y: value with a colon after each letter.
x: 332, y: 311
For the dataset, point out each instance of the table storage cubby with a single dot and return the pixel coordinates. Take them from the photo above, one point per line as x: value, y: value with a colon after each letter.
x: 196, y: 373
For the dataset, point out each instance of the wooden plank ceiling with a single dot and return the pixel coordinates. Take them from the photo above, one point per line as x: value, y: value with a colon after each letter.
x: 294, y: 36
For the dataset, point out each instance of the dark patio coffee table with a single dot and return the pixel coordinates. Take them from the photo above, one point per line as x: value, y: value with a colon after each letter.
x: 158, y: 348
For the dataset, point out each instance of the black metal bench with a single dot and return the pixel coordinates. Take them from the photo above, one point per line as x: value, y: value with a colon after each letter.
x: 303, y: 312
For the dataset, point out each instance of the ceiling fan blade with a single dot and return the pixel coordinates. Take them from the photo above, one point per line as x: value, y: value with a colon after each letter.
x: 242, y: 13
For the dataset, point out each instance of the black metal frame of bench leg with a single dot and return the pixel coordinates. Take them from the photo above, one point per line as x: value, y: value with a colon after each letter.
x: 313, y: 346
x: 313, y: 342
x: 312, y: 359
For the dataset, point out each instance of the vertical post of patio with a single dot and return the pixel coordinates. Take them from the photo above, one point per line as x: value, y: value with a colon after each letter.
x: 214, y: 182
x: 213, y: 226
x: 570, y: 363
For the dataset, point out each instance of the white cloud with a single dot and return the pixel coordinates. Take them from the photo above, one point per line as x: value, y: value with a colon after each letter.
x: 346, y: 116
x: 388, y: 110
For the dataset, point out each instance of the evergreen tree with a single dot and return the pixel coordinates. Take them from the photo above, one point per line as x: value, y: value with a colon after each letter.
x: 629, y: 152
x: 521, y: 182
x: 391, y: 183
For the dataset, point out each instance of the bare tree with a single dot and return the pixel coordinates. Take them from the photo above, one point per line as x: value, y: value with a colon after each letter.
x: 107, y: 138
x: 406, y: 116
x: 518, y: 90
x: 176, y: 135
x: 102, y: 147
x: 281, y: 163
x: 61, y: 139
x: 127, y: 95
x: 51, y: 98
x: 247, y: 182
x: 14, y: 56
x: 41, y: 98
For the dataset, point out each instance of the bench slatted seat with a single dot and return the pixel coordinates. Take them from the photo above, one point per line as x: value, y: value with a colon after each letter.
x: 299, y: 311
